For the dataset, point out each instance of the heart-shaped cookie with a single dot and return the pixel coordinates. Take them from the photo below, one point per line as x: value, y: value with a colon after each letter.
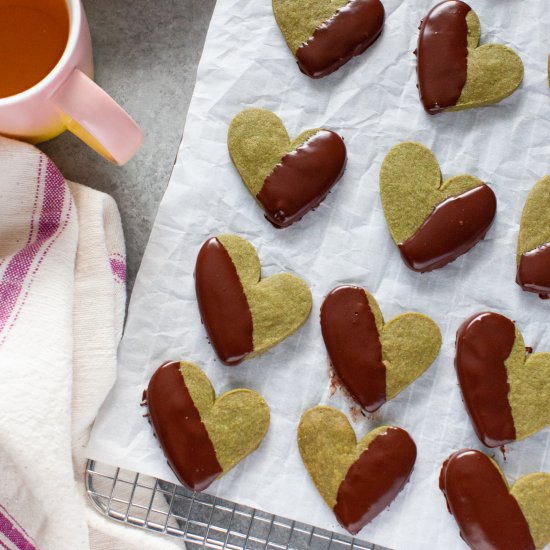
x: 533, y: 253
x: 323, y: 35
x: 243, y: 315
x: 454, y: 72
x: 356, y: 480
x: 201, y: 436
x: 373, y: 360
x: 432, y: 222
x: 287, y: 178
x: 506, y: 391
x: 489, y: 513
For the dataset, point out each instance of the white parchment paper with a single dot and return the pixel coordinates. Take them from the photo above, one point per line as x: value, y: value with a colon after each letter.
x: 373, y: 103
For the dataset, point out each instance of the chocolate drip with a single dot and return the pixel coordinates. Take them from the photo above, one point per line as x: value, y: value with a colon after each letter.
x: 180, y: 430
x: 442, y: 55
x: 303, y: 178
x: 349, y: 32
x: 487, y: 515
x: 353, y: 344
x: 534, y: 270
x: 454, y: 226
x: 222, y: 303
x: 375, y: 479
x: 483, y: 343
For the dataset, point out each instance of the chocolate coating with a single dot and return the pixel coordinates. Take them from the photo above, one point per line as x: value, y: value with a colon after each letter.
x: 454, y: 226
x: 353, y: 344
x: 180, y: 430
x: 222, y: 303
x: 533, y: 273
x: 488, y: 516
x: 303, y: 178
x: 349, y: 32
x: 375, y: 479
x: 483, y: 343
x: 442, y: 55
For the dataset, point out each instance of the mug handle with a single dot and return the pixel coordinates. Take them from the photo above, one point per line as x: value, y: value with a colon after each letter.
x: 93, y: 116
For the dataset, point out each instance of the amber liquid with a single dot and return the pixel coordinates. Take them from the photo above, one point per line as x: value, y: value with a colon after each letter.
x: 33, y: 36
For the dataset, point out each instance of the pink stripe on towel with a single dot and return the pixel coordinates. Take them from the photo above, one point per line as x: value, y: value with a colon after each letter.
x: 118, y: 267
x: 36, y: 195
x: 18, y: 268
x: 10, y: 531
x: 13, y: 520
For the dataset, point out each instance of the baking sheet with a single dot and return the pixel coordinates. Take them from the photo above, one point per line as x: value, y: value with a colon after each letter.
x: 373, y: 103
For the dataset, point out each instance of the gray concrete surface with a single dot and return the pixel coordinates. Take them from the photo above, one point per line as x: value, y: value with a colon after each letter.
x: 146, y: 55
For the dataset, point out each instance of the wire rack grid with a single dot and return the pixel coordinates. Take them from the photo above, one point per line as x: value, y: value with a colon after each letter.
x: 201, y: 519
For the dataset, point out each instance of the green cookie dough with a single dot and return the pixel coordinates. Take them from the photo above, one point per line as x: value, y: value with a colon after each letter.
x: 532, y: 493
x: 328, y: 447
x: 410, y: 344
x: 257, y: 142
x: 411, y: 186
x: 535, y: 220
x: 279, y: 304
x: 529, y: 380
x: 298, y: 19
x: 236, y: 422
x: 494, y: 71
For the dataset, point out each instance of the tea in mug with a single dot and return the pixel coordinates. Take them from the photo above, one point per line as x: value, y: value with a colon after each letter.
x: 33, y: 37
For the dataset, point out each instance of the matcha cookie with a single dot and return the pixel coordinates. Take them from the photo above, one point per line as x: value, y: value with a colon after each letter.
x: 505, y: 389
x: 243, y: 315
x: 287, y: 178
x: 489, y: 513
x: 454, y: 72
x: 357, y: 480
x: 323, y: 35
x: 533, y: 254
x: 432, y: 222
x: 201, y: 436
x: 375, y: 360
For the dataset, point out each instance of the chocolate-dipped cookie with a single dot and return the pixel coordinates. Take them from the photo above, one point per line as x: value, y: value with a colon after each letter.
x: 533, y: 253
x: 357, y: 480
x: 454, y: 72
x: 374, y: 360
x: 433, y: 222
x: 287, y: 178
x: 323, y: 35
x: 243, y: 315
x: 490, y: 513
x: 201, y: 436
x: 505, y: 389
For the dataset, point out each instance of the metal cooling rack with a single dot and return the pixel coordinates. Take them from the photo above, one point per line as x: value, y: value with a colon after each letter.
x: 198, y: 518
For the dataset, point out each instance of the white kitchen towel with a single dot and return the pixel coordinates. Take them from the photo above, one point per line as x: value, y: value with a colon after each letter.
x: 62, y: 301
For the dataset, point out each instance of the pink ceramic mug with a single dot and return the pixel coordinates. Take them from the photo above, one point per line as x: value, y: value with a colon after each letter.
x: 68, y: 99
